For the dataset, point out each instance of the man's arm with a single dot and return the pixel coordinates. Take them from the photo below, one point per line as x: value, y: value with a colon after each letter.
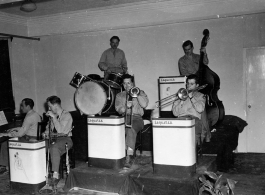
x: 124, y: 63
x: 102, y: 62
x: 20, y: 131
x: 198, y: 103
x: 143, y: 99
x: 64, y: 125
x: 120, y: 104
x: 176, y: 107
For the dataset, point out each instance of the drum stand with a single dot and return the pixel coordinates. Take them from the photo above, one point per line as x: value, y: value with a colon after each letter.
x: 48, y: 189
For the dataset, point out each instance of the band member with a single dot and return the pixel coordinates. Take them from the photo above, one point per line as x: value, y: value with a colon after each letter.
x: 132, y: 107
x: 189, y: 63
x: 192, y: 106
x: 113, y: 59
x: 60, y: 122
x: 28, y: 131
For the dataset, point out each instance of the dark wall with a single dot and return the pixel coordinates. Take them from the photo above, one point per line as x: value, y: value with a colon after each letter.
x: 6, y: 95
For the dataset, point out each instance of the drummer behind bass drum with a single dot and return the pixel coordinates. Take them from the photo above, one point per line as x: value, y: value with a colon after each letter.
x: 113, y: 59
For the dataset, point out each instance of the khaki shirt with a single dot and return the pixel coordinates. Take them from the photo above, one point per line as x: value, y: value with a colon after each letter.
x: 115, y: 63
x: 139, y: 103
x: 189, y: 66
x: 62, y: 125
x: 29, y: 126
x: 194, y: 106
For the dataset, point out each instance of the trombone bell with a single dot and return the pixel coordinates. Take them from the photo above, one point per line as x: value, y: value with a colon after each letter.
x: 134, y: 92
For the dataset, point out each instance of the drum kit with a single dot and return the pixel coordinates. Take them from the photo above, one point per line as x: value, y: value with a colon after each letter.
x: 95, y: 95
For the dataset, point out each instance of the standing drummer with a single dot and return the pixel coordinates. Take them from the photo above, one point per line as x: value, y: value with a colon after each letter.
x: 113, y: 59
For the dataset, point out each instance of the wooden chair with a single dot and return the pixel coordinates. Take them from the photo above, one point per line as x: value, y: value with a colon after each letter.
x: 41, y: 129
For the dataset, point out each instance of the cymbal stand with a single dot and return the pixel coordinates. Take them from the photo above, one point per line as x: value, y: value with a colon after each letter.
x: 47, y: 189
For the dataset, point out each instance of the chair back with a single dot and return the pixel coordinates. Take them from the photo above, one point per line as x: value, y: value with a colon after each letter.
x: 41, y: 129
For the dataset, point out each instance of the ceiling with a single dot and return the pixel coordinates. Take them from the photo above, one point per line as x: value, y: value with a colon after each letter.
x: 48, y: 7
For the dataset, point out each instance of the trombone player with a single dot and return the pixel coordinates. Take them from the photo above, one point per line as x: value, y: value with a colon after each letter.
x: 192, y: 105
x: 131, y: 103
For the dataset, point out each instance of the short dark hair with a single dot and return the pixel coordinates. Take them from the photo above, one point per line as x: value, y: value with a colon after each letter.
x: 187, y: 43
x: 128, y: 76
x: 28, y: 102
x: 115, y: 37
x: 195, y: 77
x: 54, y: 100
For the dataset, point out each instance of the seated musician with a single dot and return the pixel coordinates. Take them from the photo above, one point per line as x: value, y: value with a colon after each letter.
x: 192, y: 106
x: 60, y: 122
x: 113, y: 59
x: 134, y: 108
x: 28, y: 131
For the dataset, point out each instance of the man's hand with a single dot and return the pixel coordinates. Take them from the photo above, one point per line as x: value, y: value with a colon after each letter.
x: 44, y: 135
x: 203, y: 50
x: 50, y: 114
x: 108, y: 70
x: 129, y: 104
x: 191, y: 94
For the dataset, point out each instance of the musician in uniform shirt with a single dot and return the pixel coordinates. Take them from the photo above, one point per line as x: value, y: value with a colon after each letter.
x: 113, y: 59
x: 28, y: 131
x: 189, y: 63
x: 192, y: 106
x: 133, y: 108
x: 61, y: 123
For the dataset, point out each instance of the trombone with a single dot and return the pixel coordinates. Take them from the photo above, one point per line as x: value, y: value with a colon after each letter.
x: 182, y: 94
x: 133, y: 93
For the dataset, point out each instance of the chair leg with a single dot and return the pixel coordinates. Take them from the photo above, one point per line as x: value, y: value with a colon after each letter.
x: 61, y: 167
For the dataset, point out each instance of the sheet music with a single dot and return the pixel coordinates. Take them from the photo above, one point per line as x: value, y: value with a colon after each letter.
x: 3, y: 120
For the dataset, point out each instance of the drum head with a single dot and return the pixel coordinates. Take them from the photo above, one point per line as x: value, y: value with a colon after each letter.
x: 90, y: 98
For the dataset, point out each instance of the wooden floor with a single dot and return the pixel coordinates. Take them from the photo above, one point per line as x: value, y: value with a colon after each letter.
x: 248, y: 171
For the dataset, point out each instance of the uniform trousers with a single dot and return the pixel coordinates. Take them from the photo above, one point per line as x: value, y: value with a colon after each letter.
x: 57, y: 149
x: 131, y: 132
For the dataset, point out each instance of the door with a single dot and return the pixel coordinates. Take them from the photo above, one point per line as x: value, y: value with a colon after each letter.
x: 255, y: 99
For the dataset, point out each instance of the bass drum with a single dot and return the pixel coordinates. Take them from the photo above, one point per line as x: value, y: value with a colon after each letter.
x: 93, y: 98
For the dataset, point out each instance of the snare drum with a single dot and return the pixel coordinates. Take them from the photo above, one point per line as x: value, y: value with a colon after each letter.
x: 94, y: 77
x: 94, y: 97
x: 114, y: 80
x: 78, y: 79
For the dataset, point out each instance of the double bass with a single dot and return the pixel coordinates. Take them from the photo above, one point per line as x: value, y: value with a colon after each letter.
x: 214, y: 107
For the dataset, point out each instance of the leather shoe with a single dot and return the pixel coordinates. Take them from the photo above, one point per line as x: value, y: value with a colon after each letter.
x: 129, y: 161
x: 55, y: 181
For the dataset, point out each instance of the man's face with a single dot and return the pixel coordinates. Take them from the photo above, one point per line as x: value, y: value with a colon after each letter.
x: 191, y: 84
x: 52, y: 107
x: 114, y: 43
x: 24, y: 109
x: 188, y: 50
x: 127, y: 84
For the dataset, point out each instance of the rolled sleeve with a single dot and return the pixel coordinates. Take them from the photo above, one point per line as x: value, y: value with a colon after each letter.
x: 120, y: 103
